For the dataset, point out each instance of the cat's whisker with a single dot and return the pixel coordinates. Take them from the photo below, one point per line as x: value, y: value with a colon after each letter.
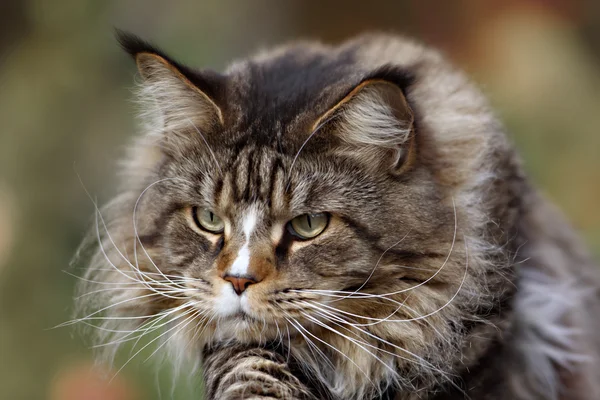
x: 116, y: 284
x: 398, y: 303
x: 387, y: 318
x: 207, y: 146
x: 312, y: 347
x: 207, y: 324
x: 289, y: 342
x: 343, y: 321
x: 118, y: 270
x: 154, y: 326
x: 151, y: 319
x: 376, y: 265
x: 278, y: 334
x: 91, y: 316
x: 144, y: 282
x: 448, y: 376
x: 299, y: 327
x: 135, y: 230
x: 446, y: 304
x: 370, y: 298
x: 103, y: 251
x: 356, y: 342
x: 149, y: 343
x: 144, y: 327
x: 174, y: 278
x: 313, y: 304
x: 150, y: 326
x: 344, y: 294
x: 381, y: 295
x: 193, y: 317
x: 323, y: 123
x: 262, y: 332
x: 200, y: 327
x: 422, y: 362
x: 136, y: 287
x: 316, y: 353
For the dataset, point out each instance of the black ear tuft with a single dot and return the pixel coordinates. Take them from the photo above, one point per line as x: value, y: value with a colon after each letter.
x: 135, y: 45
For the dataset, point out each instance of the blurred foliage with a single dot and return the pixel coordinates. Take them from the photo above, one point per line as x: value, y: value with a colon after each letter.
x: 65, y: 113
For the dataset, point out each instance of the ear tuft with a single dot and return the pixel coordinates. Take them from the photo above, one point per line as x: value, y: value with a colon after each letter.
x: 173, y: 103
x: 134, y: 45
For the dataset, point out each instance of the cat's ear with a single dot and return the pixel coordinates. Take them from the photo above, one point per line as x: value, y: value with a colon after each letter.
x: 375, y: 124
x: 175, y: 98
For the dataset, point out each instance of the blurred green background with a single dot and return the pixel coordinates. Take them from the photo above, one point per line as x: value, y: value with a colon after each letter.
x: 65, y: 109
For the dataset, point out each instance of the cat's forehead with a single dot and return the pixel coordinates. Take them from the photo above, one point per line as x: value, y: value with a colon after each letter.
x: 253, y: 182
x: 288, y: 88
x: 282, y: 93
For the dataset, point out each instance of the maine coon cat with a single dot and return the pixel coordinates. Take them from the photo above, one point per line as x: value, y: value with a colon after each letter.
x: 341, y: 222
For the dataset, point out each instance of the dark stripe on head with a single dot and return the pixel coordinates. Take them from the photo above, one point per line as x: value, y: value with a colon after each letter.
x: 249, y: 171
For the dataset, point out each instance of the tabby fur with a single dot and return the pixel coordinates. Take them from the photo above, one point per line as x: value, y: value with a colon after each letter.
x: 442, y: 274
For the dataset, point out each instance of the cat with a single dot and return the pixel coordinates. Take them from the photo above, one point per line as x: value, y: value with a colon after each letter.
x: 344, y: 222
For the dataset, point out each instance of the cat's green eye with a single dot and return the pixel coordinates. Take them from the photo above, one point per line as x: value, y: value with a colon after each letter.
x: 308, y: 226
x: 207, y: 220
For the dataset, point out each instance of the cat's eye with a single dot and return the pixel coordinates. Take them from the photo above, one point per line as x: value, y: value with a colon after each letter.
x: 308, y: 226
x: 207, y: 220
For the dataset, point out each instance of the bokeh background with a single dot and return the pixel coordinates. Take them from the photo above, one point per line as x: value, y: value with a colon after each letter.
x: 65, y: 111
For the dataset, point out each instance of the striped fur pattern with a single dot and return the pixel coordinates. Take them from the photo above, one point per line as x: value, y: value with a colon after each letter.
x: 441, y: 272
x: 240, y: 372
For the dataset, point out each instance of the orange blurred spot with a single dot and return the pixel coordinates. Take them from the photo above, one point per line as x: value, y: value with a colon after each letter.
x: 85, y: 382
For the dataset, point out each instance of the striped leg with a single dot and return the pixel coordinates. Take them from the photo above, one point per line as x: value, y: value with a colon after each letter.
x: 235, y: 372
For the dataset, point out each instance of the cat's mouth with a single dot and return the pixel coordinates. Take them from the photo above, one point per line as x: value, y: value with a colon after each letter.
x: 242, y: 316
x: 238, y: 313
x: 243, y: 328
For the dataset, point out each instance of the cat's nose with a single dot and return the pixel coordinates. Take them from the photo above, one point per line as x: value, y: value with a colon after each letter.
x: 240, y: 283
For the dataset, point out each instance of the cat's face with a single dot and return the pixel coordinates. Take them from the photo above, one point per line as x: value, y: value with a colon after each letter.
x: 265, y: 238
x: 274, y: 224
x: 311, y: 197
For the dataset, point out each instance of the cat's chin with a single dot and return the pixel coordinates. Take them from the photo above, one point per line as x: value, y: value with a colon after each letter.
x: 243, y: 328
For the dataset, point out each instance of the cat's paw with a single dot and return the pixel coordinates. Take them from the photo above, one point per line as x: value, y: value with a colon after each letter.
x: 251, y: 374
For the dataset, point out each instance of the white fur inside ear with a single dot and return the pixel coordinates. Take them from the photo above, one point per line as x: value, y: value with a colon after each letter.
x: 369, y: 119
x: 169, y: 103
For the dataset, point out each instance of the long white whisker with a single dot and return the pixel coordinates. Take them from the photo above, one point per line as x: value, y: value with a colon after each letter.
x: 143, y: 282
x: 363, y: 295
x: 302, y: 147
x: 148, y: 344
x: 175, y: 278
x: 148, y: 327
x: 137, y: 237
x: 136, y: 287
x: 206, y: 143
x: 379, y: 320
x: 330, y: 315
x: 299, y: 326
x: 191, y: 319
x: 312, y: 345
x: 89, y: 316
x: 376, y: 265
x: 360, y: 345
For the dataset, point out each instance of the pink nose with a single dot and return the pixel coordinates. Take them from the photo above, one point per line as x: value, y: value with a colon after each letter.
x: 240, y: 283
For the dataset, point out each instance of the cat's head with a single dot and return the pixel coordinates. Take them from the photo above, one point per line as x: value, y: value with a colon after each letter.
x: 341, y: 198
